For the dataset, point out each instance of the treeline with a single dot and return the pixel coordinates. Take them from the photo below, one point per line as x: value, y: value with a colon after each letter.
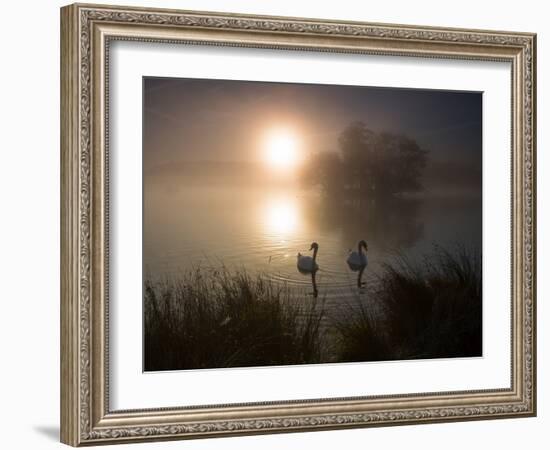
x: 368, y: 164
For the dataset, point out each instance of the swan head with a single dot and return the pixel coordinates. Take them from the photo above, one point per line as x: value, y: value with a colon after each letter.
x: 314, y: 246
x: 363, y: 244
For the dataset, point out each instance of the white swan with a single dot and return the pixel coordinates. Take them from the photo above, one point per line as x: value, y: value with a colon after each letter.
x: 308, y: 264
x: 358, y: 260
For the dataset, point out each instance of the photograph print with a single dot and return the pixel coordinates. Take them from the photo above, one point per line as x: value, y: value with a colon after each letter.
x: 290, y: 224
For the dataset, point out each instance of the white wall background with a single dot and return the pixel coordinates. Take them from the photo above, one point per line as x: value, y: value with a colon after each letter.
x: 29, y: 221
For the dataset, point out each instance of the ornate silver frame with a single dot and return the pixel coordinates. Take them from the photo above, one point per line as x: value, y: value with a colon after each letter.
x: 86, y: 31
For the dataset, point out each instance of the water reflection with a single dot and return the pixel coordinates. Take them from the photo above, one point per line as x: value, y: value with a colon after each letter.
x: 280, y: 216
x: 392, y: 224
x: 360, y: 283
x: 262, y: 230
x: 314, y: 284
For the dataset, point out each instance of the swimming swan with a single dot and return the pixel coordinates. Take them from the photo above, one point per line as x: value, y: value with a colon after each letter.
x: 357, y: 261
x: 307, y: 264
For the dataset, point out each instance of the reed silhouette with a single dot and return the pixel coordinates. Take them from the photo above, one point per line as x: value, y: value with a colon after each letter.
x: 217, y: 318
x: 431, y: 310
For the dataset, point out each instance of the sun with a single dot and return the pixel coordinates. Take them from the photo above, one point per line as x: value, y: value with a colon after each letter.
x: 282, y: 150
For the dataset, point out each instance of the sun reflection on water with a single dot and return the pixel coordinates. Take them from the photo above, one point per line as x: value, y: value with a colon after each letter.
x: 281, y: 216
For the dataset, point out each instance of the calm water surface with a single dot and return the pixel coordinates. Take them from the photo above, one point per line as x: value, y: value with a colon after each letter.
x: 263, y: 229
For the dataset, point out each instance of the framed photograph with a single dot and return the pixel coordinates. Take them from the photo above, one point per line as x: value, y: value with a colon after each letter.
x: 274, y: 224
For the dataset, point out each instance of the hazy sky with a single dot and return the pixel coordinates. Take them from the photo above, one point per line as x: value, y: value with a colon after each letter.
x: 198, y: 120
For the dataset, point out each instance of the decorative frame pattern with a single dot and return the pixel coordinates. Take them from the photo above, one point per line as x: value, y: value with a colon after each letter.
x: 86, y: 31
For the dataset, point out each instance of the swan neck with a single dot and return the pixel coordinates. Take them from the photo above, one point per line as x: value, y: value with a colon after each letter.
x: 315, y: 253
x: 360, y: 249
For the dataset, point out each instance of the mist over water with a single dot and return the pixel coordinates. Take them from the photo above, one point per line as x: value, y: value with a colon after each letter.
x: 262, y: 227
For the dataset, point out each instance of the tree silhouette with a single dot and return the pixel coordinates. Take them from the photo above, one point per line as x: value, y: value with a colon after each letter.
x: 369, y: 165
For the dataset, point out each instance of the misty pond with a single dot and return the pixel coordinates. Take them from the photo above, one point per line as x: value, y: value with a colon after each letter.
x: 378, y: 190
x: 261, y: 229
x: 264, y: 229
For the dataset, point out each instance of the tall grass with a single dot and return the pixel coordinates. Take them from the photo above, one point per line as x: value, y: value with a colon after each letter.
x: 217, y: 318
x: 359, y: 336
x: 432, y: 309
